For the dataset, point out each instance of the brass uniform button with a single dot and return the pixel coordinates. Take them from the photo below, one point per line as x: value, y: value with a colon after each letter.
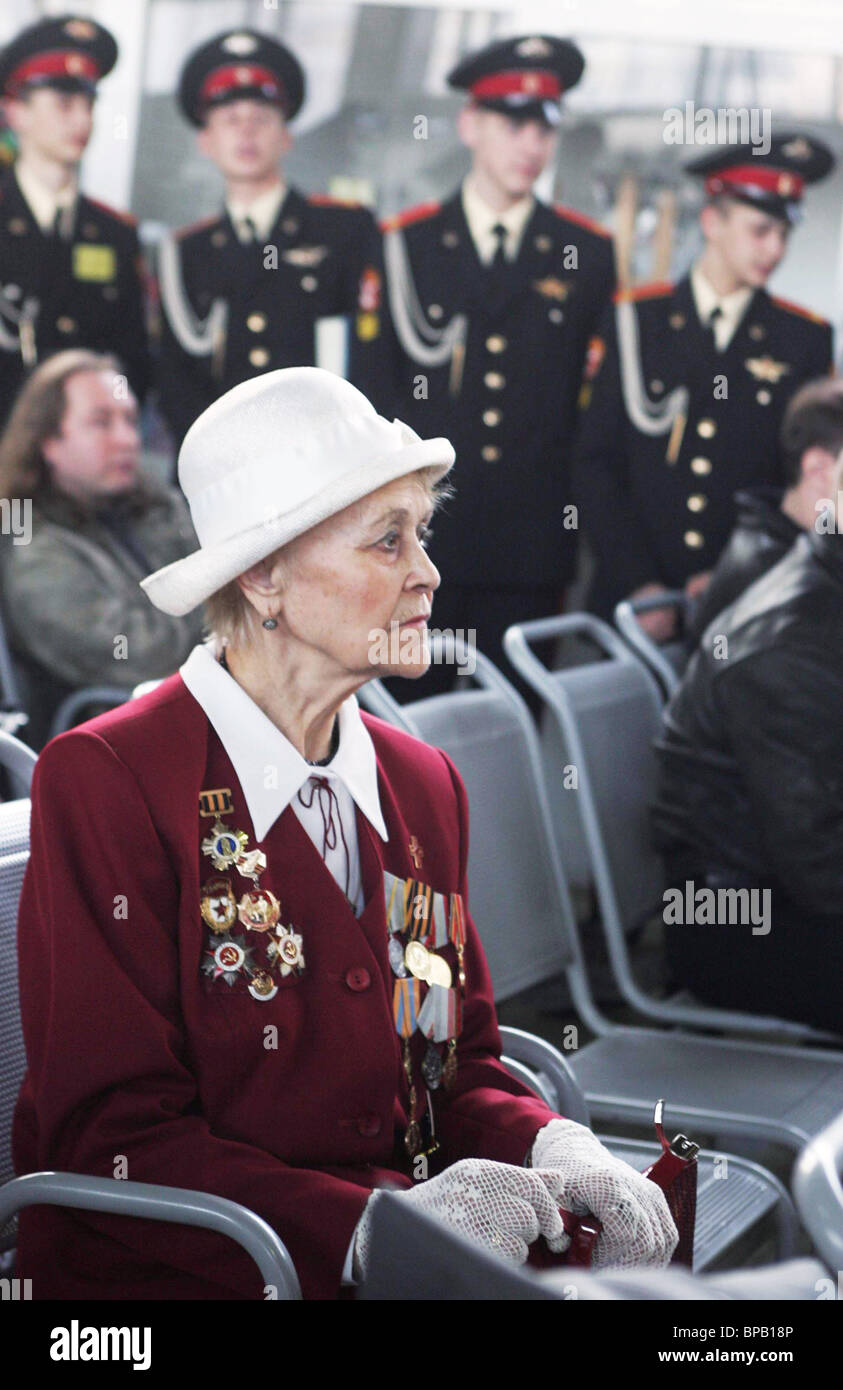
x: 543, y: 243
x: 218, y: 238
x: 256, y: 323
x: 693, y: 540
x: 656, y: 385
x: 289, y: 226
x: 707, y: 429
x: 763, y: 396
x: 90, y: 231
x: 494, y: 381
x: 259, y: 356
x: 65, y: 324
x: 555, y: 315
x: 496, y: 342
x: 490, y: 452
x: 309, y: 283
x: 697, y: 502
x: 677, y: 320
x: 701, y: 466
x: 435, y: 311
x: 491, y: 418
x: 450, y: 239
x: 756, y: 332
x: 17, y: 226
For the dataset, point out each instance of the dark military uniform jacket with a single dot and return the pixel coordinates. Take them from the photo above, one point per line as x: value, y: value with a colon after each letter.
x: 505, y: 393
x: 655, y: 475
x: 232, y: 310
x: 85, y: 291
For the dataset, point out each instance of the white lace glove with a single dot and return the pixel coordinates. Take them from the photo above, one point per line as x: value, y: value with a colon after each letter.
x: 584, y: 1177
x: 496, y: 1205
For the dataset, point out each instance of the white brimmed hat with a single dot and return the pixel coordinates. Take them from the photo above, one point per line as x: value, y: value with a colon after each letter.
x: 272, y: 458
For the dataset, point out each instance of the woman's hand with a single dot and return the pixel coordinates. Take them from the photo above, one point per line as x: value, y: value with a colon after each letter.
x: 584, y: 1177
x: 496, y: 1205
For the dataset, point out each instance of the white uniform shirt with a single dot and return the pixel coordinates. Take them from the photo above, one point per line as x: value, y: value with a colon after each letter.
x: 45, y: 202
x: 481, y: 219
x: 732, y: 307
x: 263, y: 211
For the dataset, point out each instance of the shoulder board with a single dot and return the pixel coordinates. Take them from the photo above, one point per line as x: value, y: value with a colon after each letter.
x: 324, y: 200
x: 199, y: 226
x: 658, y: 290
x: 126, y: 217
x: 410, y: 215
x: 581, y: 220
x: 791, y: 308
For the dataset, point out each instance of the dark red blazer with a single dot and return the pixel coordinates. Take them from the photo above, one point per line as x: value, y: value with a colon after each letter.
x: 143, y: 1068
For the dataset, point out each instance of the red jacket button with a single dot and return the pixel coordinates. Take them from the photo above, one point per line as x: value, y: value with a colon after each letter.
x: 369, y: 1125
x: 358, y: 979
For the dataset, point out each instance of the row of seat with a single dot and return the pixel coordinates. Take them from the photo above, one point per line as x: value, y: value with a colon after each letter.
x: 493, y: 741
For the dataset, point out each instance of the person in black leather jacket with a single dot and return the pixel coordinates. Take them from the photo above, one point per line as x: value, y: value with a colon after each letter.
x: 750, y: 794
x: 771, y: 518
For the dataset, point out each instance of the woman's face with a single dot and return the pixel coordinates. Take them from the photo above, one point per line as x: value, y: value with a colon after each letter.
x: 358, y: 588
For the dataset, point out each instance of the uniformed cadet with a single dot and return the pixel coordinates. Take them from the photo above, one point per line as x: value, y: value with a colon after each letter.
x: 261, y: 285
x: 686, y: 384
x: 493, y: 296
x: 70, y: 271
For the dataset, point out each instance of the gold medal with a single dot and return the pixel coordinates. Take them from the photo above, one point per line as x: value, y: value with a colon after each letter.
x: 417, y: 960
x: 262, y: 986
x: 218, y: 905
x: 439, y: 972
x: 259, y: 910
x: 224, y: 846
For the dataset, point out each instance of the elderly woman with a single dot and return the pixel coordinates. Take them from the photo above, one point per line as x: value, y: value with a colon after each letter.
x: 247, y: 960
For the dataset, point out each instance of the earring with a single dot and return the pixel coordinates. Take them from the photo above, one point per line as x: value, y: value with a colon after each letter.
x: 270, y: 624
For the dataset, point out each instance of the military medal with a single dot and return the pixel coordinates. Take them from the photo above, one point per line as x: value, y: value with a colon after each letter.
x: 417, y: 960
x: 449, y: 1070
x: 396, y: 957
x: 217, y: 905
x: 262, y: 986
x: 286, y: 948
x: 432, y: 1067
x: 224, y: 846
x: 259, y: 910
x: 226, y: 959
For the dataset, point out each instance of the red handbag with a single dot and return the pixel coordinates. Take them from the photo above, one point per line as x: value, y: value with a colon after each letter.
x: 675, y: 1171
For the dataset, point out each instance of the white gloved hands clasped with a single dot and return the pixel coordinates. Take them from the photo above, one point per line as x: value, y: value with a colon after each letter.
x: 584, y: 1177
x: 496, y: 1205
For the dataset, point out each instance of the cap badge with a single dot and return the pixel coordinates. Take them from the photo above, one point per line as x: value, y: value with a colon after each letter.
x: 533, y: 48
x: 79, y: 29
x: 239, y: 44
x: 74, y: 63
x: 785, y: 185
x: 797, y: 149
x: 531, y: 83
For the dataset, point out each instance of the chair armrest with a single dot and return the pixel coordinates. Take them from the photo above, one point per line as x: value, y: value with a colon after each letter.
x: 157, y: 1203
x: 818, y: 1192
x: 553, y: 1077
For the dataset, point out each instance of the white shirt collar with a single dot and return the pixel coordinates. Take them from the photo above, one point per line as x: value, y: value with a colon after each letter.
x: 255, y: 746
x: 481, y: 219
x: 732, y: 306
x: 263, y: 211
x: 44, y: 202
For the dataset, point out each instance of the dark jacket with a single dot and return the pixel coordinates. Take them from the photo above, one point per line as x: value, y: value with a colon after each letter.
x: 88, y: 288
x: 763, y: 534
x: 660, y: 507
x: 750, y: 795
x: 321, y: 260
x: 507, y: 402
x: 751, y: 756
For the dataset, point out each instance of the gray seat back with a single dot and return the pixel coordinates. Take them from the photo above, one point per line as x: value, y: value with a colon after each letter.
x: 518, y: 895
x: 14, y: 854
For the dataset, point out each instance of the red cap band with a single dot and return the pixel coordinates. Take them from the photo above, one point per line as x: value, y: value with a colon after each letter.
x: 228, y: 79
x: 767, y: 180
x: 60, y: 63
x: 533, y: 83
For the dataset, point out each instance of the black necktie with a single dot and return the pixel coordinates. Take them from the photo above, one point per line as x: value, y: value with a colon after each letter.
x: 716, y: 313
x: 250, y: 231
x: 498, y: 261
